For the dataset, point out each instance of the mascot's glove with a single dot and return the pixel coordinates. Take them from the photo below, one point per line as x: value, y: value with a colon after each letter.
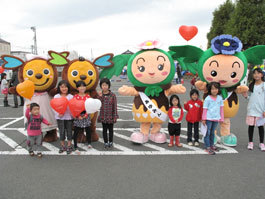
x: 201, y: 85
x: 176, y: 89
x: 241, y: 89
x: 128, y: 91
x: 12, y: 90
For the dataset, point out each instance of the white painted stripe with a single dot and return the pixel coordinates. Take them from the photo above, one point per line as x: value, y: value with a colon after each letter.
x: 18, y: 149
x: 44, y: 144
x: 12, y: 122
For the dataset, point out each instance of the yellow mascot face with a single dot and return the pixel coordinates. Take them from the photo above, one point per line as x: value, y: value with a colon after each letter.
x: 82, y: 70
x: 40, y: 73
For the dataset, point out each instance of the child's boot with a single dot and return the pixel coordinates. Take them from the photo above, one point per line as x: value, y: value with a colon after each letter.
x: 177, y: 142
x: 171, y: 141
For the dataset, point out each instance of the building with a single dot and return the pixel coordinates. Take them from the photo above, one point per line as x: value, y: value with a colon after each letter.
x: 20, y: 54
x: 5, y: 47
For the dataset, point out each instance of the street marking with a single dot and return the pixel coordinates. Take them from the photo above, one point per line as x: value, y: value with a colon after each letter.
x: 12, y: 122
x: 17, y: 148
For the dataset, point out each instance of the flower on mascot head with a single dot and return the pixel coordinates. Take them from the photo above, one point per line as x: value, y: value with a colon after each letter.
x: 149, y: 44
x: 226, y: 45
x: 150, y: 68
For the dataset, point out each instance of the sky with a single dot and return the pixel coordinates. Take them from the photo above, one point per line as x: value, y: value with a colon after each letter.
x: 105, y: 26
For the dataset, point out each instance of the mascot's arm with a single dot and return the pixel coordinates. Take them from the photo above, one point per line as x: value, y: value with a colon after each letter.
x: 176, y: 89
x: 241, y: 89
x: 52, y: 92
x: 201, y: 85
x: 128, y: 91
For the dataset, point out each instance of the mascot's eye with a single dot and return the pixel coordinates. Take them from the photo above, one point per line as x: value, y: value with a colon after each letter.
x: 74, y: 73
x: 160, y: 67
x: 30, y: 72
x: 90, y: 73
x: 233, y: 74
x: 46, y: 71
x: 141, y: 68
x: 213, y: 73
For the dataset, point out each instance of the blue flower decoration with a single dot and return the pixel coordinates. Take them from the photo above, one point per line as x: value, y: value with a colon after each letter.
x: 226, y: 44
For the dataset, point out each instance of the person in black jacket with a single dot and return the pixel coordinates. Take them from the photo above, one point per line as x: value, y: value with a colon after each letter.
x: 14, y: 82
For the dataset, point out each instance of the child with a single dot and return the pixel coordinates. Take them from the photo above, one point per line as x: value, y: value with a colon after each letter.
x: 4, y: 88
x: 33, y: 127
x: 175, y: 114
x: 108, y: 112
x: 213, y: 112
x: 64, y: 121
x: 193, y: 117
x: 83, y: 120
x: 256, y: 108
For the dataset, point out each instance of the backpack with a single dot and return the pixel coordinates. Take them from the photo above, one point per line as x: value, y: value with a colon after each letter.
x: 30, y: 120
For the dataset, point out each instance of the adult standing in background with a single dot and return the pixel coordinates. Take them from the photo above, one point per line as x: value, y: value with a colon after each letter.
x: 14, y: 82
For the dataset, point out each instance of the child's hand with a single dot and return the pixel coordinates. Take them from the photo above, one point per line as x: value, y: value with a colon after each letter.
x: 185, y: 102
x: 49, y: 124
x: 204, y: 122
x: 100, y: 93
x: 80, y: 117
x: 263, y: 114
x: 28, y: 105
x: 60, y: 115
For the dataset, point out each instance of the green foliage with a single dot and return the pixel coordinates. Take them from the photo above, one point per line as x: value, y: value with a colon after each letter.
x: 221, y: 16
x: 243, y: 19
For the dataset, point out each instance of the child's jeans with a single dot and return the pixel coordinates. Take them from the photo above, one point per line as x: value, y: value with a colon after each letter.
x: 37, y: 139
x: 209, y: 137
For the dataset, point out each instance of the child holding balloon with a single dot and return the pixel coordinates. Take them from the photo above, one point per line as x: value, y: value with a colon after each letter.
x: 63, y: 116
x: 108, y: 112
x: 82, y: 121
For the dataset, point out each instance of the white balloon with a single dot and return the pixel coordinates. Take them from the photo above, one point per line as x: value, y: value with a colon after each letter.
x: 92, y: 105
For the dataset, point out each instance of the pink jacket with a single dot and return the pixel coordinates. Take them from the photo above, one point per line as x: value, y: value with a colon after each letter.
x: 34, y: 127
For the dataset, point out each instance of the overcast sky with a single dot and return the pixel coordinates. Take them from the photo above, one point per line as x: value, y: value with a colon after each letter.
x: 102, y: 25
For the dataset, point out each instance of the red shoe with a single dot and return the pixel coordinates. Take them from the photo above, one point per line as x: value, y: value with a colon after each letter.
x: 171, y: 142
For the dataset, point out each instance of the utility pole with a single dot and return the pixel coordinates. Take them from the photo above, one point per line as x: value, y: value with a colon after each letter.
x: 35, y: 51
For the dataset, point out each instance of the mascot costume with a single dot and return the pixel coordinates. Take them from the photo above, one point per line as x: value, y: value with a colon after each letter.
x: 82, y: 69
x: 151, y: 71
x: 225, y: 63
x: 44, y: 77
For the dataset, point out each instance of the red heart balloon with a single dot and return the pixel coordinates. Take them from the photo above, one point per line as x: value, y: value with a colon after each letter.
x: 188, y: 32
x: 59, y: 104
x: 1, y: 69
x: 76, y: 106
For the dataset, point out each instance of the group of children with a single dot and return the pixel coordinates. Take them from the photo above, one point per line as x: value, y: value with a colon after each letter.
x: 209, y: 113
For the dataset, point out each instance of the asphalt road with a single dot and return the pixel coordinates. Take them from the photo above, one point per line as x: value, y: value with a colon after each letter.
x: 128, y: 170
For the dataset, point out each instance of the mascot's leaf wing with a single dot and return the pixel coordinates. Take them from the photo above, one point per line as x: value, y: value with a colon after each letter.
x: 11, y: 62
x: 58, y: 59
x: 255, y: 55
x: 191, y: 52
x: 119, y: 62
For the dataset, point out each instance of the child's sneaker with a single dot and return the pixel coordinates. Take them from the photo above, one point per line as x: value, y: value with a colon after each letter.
x: 262, y: 147
x: 62, y: 149
x: 77, y: 152
x: 39, y: 155
x: 31, y: 153
x: 214, y: 148
x: 209, y: 151
x: 89, y: 146
x: 250, y: 146
x: 196, y: 144
x: 190, y: 143
x: 106, y: 145
x: 110, y: 144
x: 69, y: 150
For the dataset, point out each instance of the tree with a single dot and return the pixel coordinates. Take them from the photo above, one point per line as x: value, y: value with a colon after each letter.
x: 221, y: 16
x: 248, y: 22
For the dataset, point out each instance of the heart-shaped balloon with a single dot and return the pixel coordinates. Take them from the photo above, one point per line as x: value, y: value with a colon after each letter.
x: 59, y: 104
x: 188, y: 32
x: 1, y: 69
x: 76, y: 106
x: 26, y: 89
x: 92, y: 105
